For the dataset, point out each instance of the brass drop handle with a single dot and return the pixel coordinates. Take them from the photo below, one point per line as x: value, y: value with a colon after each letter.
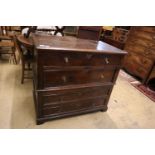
x: 64, y: 78
x: 102, y: 76
x: 107, y: 60
x: 66, y: 59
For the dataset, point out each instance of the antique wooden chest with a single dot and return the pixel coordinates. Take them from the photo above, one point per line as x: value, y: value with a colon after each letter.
x: 140, y: 46
x: 73, y: 76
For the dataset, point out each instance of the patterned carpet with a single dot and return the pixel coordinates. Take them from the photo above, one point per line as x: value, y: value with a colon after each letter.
x: 138, y: 85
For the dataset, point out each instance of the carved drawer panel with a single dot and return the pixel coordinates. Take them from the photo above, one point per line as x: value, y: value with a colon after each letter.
x: 139, y: 41
x: 150, y: 29
x: 79, y: 76
x: 139, y: 59
x: 54, y: 109
x: 50, y: 98
x: 72, y: 106
x: 143, y: 34
x: 150, y: 53
x: 136, y: 69
x: 79, y: 59
x: 147, y: 52
x: 130, y: 47
x: 83, y: 104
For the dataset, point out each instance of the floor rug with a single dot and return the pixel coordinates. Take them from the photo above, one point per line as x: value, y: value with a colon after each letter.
x: 138, y: 85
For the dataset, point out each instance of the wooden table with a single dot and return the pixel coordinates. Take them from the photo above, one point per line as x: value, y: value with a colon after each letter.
x: 73, y: 76
x: 27, y: 42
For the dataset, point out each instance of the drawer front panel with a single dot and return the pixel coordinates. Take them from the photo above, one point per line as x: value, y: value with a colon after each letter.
x: 53, y: 97
x: 51, y: 110
x: 147, y: 52
x: 142, y: 34
x: 138, y: 59
x: 150, y: 53
x: 134, y: 41
x: 135, y: 69
x: 79, y: 59
x: 61, y: 78
x: 85, y: 104
x: 150, y: 29
x: 74, y: 106
x: 135, y: 48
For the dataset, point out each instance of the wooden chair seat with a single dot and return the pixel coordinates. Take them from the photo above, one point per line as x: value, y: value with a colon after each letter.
x: 6, y: 44
x: 5, y: 37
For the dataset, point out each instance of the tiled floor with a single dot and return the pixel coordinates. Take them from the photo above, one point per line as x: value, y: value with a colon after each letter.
x: 128, y: 108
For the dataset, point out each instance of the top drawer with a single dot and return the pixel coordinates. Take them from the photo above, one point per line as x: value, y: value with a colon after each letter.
x: 59, y: 58
x: 150, y: 29
x: 139, y: 41
x: 143, y: 34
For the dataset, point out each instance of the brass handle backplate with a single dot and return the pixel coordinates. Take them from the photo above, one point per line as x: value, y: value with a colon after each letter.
x: 66, y: 59
x: 107, y: 60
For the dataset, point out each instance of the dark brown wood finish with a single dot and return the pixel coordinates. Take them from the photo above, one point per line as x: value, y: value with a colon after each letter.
x: 89, y: 32
x: 141, y: 52
x: 72, y: 76
x: 117, y: 39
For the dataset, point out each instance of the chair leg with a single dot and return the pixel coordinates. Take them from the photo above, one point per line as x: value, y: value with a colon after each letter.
x: 23, y: 68
x: 14, y: 55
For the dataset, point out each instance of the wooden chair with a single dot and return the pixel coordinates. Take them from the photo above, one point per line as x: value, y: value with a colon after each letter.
x: 53, y: 30
x: 120, y: 34
x: 89, y: 32
x: 27, y: 59
x: 117, y: 38
x: 7, y: 44
x: 59, y: 30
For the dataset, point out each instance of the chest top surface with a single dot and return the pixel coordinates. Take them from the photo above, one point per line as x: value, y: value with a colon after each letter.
x: 74, y: 44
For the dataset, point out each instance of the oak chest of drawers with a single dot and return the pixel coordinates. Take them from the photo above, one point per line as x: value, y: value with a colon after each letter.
x: 72, y: 76
x: 140, y: 46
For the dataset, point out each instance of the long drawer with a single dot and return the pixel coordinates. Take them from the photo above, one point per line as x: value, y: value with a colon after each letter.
x: 148, y: 52
x: 74, y: 106
x: 130, y: 47
x: 79, y: 59
x: 135, y: 69
x: 54, y: 96
x: 61, y: 77
x: 140, y: 60
x: 69, y: 99
x: 150, y: 29
x: 134, y: 41
x: 143, y: 34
